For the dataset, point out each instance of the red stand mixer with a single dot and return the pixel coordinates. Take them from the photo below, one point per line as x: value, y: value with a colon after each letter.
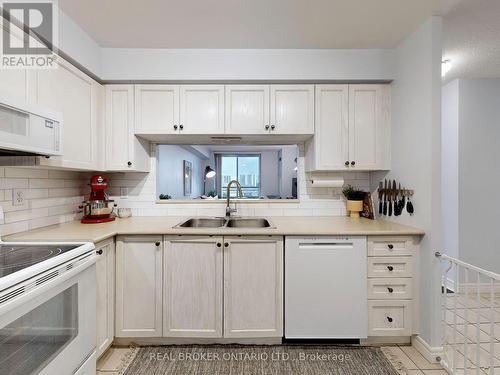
x: 98, y: 209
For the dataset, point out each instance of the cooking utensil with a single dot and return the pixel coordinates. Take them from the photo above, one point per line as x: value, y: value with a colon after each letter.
x: 394, y: 196
x: 390, y: 199
x: 385, y: 197
x: 409, y: 205
x: 380, y: 193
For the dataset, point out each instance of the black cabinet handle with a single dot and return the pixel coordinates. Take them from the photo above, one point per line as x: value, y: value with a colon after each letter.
x: 99, y: 252
x: 390, y: 290
x: 181, y: 126
x: 273, y: 127
x: 157, y: 243
x: 267, y: 127
x: 390, y: 246
x: 129, y: 163
x: 219, y: 244
x: 346, y: 163
x: 353, y: 163
x: 175, y: 127
x: 390, y: 268
x: 389, y: 319
x: 226, y: 244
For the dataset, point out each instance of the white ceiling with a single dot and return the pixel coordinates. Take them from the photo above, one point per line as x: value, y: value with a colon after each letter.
x: 471, y: 39
x: 251, y: 23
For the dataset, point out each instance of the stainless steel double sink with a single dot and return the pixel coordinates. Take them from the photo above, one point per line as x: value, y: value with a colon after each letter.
x: 220, y: 222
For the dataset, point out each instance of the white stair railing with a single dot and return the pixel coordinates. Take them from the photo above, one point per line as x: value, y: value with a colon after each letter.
x: 470, y: 308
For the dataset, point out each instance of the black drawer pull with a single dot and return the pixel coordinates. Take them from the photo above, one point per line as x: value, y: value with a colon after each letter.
x: 99, y: 252
x: 219, y: 244
x: 157, y: 243
x: 226, y: 244
x: 390, y: 246
x: 390, y: 268
x: 390, y: 290
x: 389, y: 319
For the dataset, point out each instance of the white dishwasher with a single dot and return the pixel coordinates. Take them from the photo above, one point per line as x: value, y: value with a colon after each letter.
x: 325, y: 288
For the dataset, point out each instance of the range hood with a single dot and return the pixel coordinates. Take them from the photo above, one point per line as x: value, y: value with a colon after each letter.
x: 28, y: 129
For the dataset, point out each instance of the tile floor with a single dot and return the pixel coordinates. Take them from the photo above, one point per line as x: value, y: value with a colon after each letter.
x: 472, y: 327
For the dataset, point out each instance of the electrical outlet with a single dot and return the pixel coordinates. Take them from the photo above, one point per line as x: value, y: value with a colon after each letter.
x: 123, y: 192
x: 18, y: 197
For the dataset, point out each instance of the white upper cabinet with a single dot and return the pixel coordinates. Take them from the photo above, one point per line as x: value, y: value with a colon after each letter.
x: 369, y: 127
x: 329, y: 148
x: 352, y: 129
x: 156, y: 109
x: 201, y: 109
x: 124, y: 151
x: 69, y: 91
x: 192, y: 303
x: 247, y: 109
x: 292, y: 109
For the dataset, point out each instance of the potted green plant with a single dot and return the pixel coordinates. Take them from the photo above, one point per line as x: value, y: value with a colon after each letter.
x: 355, y: 199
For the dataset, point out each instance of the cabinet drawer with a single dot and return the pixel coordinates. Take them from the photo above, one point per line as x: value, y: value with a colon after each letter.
x: 390, y: 246
x: 390, y: 288
x: 389, y: 318
x: 390, y: 267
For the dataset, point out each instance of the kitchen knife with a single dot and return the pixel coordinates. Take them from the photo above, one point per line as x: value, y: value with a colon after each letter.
x: 390, y: 199
x: 380, y: 204
x: 385, y: 197
x: 395, y: 202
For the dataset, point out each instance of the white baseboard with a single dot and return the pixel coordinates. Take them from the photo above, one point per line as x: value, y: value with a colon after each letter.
x: 432, y: 353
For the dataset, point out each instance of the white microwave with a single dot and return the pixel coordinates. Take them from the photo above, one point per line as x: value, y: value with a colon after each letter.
x: 28, y: 129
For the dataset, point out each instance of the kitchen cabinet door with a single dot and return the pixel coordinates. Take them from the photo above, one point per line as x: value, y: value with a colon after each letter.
x: 292, y: 109
x: 369, y: 127
x: 105, y: 284
x: 192, y: 305
x: 139, y: 268
x: 247, y: 109
x: 124, y: 151
x: 156, y: 109
x: 329, y: 148
x: 201, y: 109
x: 74, y: 94
x: 253, y: 287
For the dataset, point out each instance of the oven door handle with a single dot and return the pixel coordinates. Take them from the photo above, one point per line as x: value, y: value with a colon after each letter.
x: 18, y: 300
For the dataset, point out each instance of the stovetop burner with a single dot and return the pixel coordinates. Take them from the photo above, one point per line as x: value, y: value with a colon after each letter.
x: 14, y: 258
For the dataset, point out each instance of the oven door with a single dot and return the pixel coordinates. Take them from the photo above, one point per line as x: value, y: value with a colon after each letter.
x: 50, y: 326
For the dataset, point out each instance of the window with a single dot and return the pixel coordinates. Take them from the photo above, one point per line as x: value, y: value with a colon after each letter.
x: 243, y: 168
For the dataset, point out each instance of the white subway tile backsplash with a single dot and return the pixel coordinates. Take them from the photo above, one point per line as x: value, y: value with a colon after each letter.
x: 53, y: 196
x: 63, y: 187
x: 13, y: 183
x: 26, y: 173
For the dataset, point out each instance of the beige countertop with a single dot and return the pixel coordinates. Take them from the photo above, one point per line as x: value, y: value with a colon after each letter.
x: 290, y: 226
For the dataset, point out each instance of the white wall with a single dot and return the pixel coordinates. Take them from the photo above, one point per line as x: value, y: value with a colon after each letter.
x: 450, y: 126
x: 79, y: 45
x: 171, y: 178
x: 246, y: 64
x: 416, y: 156
x: 479, y: 173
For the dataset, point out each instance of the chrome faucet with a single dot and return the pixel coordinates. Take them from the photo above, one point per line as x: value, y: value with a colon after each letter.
x: 230, y: 210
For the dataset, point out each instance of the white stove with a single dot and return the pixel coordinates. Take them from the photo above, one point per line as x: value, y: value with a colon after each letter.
x: 47, y: 308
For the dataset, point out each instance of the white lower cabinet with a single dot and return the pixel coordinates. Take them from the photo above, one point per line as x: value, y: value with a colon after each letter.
x: 253, y: 287
x: 105, y: 284
x: 392, y: 301
x: 139, y: 268
x: 211, y: 280
x: 192, y: 302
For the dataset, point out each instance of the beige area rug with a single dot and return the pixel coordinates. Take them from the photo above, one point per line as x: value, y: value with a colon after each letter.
x: 257, y: 360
